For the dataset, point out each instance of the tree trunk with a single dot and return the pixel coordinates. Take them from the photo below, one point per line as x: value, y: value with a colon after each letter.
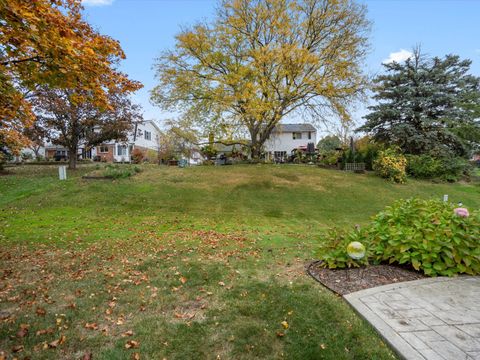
x: 72, y: 158
x: 36, y: 151
x: 255, y: 151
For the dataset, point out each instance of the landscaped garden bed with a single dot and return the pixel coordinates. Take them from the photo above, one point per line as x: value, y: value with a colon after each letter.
x: 409, y: 240
x: 346, y: 281
x: 112, y: 171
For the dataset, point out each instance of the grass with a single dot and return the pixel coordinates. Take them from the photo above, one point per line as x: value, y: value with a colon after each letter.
x: 203, y: 262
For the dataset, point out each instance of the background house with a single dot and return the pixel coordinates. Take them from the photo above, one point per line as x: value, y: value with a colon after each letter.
x: 287, y: 137
x: 145, y: 137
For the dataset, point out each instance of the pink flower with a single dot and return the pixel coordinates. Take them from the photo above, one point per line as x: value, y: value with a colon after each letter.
x: 462, y: 212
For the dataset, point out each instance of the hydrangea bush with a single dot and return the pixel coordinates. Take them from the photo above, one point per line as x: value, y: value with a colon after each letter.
x: 430, y: 235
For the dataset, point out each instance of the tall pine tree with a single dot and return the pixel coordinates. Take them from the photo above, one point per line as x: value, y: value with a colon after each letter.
x: 426, y: 106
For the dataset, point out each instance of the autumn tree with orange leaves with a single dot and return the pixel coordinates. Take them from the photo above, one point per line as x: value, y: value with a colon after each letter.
x: 259, y: 61
x: 47, y: 43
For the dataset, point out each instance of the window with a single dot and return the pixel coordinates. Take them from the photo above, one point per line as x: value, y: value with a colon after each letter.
x: 139, y: 133
x: 148, y: 135
x: 297, y: 135
x: 103, y: 149
x: 309, y: 135
x: 121, y: 150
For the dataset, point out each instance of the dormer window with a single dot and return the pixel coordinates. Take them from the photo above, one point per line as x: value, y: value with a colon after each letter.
x: 148, y: 135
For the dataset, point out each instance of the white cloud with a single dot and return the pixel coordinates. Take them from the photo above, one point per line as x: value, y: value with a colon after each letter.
x: 97, y: 2
x: 398, y: 56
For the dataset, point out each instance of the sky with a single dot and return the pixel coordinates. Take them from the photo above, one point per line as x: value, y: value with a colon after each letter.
x: 147, y: 27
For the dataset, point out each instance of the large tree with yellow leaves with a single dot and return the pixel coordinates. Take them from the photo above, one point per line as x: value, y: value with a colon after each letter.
x: 261, y: 60
x: 47, y: 43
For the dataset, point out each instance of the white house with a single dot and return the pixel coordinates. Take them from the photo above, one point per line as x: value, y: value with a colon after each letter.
x: 287, y: 137
x: 145, y: 137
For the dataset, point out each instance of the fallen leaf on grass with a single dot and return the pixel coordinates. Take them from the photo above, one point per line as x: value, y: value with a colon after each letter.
x: 132, y: 344
x: 87, y: 356
x: 44, y: 331
x: 17, y: 348
x: 127, y: 333
x: 54, y: 344
x: 91, y: 326
x: 23, y: 331
x: 136, y: 356
x: 285, y: 324
x: 187, y: 316
x: 280, y: 334
x: 183, y: 279
x: 40, y: 311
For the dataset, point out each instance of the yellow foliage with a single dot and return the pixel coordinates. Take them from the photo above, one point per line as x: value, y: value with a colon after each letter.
x: 391, y: 165
x: 261, y: 60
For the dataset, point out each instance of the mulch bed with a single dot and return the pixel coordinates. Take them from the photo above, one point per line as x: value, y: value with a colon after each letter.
x: 346, y: 281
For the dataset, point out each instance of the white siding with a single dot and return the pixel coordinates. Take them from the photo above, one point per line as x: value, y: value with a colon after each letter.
x: 284, y: 141
x: 140, y: 140
x: 147, y: 126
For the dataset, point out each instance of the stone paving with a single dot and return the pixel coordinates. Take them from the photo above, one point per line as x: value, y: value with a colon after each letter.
x: 433, y: 319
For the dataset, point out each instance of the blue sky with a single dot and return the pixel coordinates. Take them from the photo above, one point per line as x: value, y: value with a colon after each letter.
x: 146, y: 27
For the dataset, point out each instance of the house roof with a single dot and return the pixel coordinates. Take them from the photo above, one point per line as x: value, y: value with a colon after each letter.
x: 282, y: 128
x: 153, y: 122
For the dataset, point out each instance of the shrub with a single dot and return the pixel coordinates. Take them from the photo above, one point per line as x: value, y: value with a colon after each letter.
x: 430, y: 235
x: 137, y: 156
x: 329, y: 158
x: 391, y: 165
x: 120, y: 172
x: 333, y: 251
x: 151, y: 156
x: 423, y: 166
x: 446, y: 168
x: 455, y: 168
x: 27, y: 156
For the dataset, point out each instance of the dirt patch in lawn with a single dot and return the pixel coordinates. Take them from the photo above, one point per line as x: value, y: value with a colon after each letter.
x: 346, y: 281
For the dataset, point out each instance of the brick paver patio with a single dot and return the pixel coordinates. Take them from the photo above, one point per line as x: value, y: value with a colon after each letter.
x: 433, y: 319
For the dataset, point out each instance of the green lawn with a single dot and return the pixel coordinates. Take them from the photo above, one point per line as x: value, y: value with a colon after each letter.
x: 203, y: 262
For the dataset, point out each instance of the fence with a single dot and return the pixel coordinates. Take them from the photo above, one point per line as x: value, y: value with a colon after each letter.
x: 354, y: 167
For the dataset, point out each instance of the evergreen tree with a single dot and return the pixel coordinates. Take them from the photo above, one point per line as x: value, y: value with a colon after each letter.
x: 426, y: 105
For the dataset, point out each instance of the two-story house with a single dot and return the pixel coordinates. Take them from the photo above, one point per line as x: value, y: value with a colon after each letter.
x: 144, y: 136
x: 287, y: 137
